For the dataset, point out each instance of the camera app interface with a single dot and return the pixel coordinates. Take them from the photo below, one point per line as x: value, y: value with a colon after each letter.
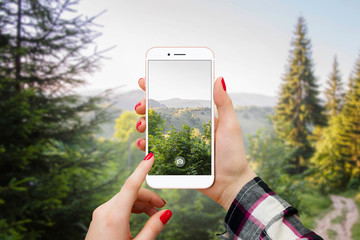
x: 179, y: 116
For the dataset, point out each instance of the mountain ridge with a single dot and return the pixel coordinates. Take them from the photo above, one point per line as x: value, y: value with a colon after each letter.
x: 127, y: 100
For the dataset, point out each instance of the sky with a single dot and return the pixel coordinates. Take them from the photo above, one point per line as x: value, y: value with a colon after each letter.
x: 250, y: 39
x: 180, y: 79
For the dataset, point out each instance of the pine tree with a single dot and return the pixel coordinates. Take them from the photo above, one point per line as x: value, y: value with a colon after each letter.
x: 337, y: 157
x: 298, y: 109
x: 53, y: 172
x: 349, y: 138
x: 334, y: 91
x: 331, y: 172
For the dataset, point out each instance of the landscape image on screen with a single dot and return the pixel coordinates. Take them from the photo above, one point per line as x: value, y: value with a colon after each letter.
x: 179, y: 118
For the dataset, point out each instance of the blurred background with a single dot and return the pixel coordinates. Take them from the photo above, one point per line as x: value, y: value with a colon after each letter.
x: 68, y: 87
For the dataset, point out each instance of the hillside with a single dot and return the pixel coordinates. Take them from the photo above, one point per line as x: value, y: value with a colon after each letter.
x: 192, y: 117
x: 184, y: 103
x: 127, y: 100
x: 252, y: 110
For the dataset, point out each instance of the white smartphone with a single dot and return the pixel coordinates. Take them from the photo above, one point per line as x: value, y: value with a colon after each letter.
x: 179, y: 116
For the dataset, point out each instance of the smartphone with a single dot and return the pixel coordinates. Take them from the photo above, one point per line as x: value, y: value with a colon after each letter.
x: 179, y: 116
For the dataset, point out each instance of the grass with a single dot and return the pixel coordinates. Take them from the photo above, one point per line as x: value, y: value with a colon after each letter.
x: 331, y: 234
x: 313, y: 206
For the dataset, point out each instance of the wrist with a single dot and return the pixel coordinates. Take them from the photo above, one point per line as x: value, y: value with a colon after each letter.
x: 234, y: 188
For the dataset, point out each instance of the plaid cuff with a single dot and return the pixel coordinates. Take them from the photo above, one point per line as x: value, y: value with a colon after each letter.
x: 258, y: 213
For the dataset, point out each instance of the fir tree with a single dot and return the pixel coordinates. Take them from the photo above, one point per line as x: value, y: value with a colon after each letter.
x: 334, y: 91
x: 349, y: 138
x: 331, y: 172
x: 298, y: 108
x: 337, y: 157
x: 52, y: 170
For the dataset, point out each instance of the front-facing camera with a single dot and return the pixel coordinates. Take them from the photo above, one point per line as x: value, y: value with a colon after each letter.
x: 168, y: 54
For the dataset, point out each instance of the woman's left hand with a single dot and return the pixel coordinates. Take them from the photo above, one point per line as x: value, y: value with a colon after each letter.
x: 111, y: 219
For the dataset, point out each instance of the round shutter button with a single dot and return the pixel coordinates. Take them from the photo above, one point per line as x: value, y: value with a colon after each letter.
x: 179, y: 161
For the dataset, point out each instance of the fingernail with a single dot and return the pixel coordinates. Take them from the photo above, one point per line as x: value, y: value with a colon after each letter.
x: 138, y: 143
x: 223, y: 84
x: 139, y: 80
x: 138, y: 104
x: 163, y: 201
x: 138, y: 124
x: 148, y: 156
x: 166, y: 216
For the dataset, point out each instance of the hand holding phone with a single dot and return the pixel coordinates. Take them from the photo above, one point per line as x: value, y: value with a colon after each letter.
x: 232, y: 170
x: 179, y: 117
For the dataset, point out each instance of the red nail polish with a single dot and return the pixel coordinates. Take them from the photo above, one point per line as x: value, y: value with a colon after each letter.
x: 138, y: 143
x: 163, y: 201
x: 148, y: 156
x: 138, y: 124
x: 223, y: 84
x: 166, y: 216
x: 138, y: 104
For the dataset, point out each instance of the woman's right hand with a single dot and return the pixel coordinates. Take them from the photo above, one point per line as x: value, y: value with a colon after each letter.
x: 232, y: 170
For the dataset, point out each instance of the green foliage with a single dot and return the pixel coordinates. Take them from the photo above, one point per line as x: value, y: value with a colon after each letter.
x: 177, y: 117
x: 330, y: 172
x: 334, y: 92
x: 337, y: 158
x: 189, y: 143
x: 268, y: 156
x: 155, y: 123
x: 332, y: 234
x: 313, y: 205
x: 299, y: 106
x: 349, y: 139
x: 126, y: 134
x: 53, y: 172
x: 125, y: 126
x: 354, y: 183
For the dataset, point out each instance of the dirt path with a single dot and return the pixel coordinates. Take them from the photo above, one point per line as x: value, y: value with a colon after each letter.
x: 337, y: 224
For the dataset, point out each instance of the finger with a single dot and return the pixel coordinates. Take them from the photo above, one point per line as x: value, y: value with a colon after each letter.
x: 154, y: 225
x: 151, y: 198
x: 140, y: 107
x: 142, y: 83
x: 225, y: 108
x: 142, y: 207
x: 129, y: 191
x: 141, y: 125
x: 216, y: 123
x: 141, y: 143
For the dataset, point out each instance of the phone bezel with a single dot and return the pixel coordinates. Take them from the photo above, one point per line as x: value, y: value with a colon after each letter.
x: 181, y: 181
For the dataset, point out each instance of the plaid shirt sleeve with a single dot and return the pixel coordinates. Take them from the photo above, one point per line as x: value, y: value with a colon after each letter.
x: 258, y: 213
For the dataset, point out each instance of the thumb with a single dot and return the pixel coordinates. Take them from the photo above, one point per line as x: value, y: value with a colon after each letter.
x: 226, y: 112
x: 154, y: 225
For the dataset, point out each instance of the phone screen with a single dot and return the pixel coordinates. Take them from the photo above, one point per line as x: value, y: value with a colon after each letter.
x: 179, y: 116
